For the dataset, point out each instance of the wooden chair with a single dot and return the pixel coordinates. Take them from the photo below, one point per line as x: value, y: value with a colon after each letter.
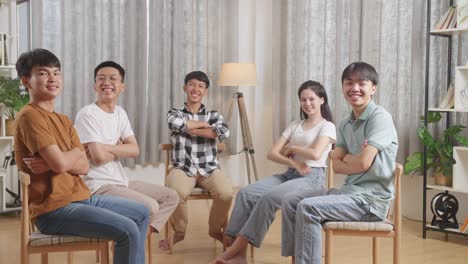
x: 388, y: 228
x: 198, y: 193
x: 35, y: 242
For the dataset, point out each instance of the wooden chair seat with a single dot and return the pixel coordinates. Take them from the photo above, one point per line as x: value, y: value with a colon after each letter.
x: 382, y: 226
x: 37, y: 239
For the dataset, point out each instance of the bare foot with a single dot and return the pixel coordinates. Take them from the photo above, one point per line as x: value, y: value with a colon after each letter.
x: 238, y: 259
x: 217, y: 236
x: 164, y: 244
x: 227, y: 240
x: 218, y: 260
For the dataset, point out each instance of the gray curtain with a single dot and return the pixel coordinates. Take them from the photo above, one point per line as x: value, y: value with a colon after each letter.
x: 323, y: 37
x: 157, y: 42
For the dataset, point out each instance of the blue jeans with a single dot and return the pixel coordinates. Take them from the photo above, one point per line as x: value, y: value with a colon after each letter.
x: 106, y: 217
x: 302, y: 221
x: 257, y: 203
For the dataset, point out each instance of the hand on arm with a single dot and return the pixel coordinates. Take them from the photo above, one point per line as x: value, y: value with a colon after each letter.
x: 103, y: 153
x: 315, y: 150
x: 203, y: 132
x: 73, y: 161
x: 192, y: 124
x: 37, y: 164
x: 277, y: 156
x: 346, y: 163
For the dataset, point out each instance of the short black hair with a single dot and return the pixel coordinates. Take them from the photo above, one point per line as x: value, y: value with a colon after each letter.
x: 112, y: 64
x: 35, y: 57
x: 364, y: 71
x: 197, y: 75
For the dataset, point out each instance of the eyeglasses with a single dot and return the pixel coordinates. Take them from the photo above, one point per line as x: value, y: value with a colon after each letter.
x: 111, y: 79
x: 199, y: 85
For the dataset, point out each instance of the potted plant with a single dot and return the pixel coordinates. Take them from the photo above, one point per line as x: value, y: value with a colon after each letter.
x: 13, y: 98
x: 439, y: 153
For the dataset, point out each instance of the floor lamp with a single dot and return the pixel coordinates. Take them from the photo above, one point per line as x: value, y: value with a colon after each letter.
x: 241, y: 74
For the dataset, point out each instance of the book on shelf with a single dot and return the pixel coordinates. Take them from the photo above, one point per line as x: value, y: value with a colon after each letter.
x: 446, y: 20
x: 449, y: 100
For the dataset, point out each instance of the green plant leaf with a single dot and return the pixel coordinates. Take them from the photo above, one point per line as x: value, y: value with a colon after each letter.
x: 462, y: 140
x: 413, y: 162
x: 12, y: 96
x: 426, y: 137
x: 433, y: 117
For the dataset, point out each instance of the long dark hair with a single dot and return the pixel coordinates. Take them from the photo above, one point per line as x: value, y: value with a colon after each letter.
x: 318, y: 89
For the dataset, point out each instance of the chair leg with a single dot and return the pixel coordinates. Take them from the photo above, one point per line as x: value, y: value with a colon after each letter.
x: 252, y: 251
x: 24, y: 257
x: 97, y: 256
x: 150, y: 255
x: 169, y: 235
x: 396, y: 250
x: 44, y: 258
x: 70, y: 257
x: 328, y: 246
x: 104, y: 254
x: 375, y: 250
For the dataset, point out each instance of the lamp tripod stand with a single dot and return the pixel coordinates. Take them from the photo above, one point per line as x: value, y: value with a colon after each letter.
x: 248, y: 148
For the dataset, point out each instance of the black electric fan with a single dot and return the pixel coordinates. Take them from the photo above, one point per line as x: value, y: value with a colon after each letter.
x: 444, y: 206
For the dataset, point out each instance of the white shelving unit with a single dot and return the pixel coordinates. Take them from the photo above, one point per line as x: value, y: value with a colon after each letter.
x: 460, y: 169
x: 8, y: 26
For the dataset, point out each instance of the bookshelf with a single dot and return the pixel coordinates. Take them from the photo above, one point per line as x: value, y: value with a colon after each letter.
x: 8, y: 56
x: 460, y: 169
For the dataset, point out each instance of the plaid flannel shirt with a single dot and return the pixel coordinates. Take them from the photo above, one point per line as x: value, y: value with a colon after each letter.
x: 194, y: 154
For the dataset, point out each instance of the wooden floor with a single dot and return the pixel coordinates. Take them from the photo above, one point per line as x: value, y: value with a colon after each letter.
x: 198, y: 248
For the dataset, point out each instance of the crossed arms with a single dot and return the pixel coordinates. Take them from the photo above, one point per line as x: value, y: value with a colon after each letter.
x: 282, y: 154
x: 215, y: 128
x: 100, y: 153
x: 51, y: 158
x: 346, y: 163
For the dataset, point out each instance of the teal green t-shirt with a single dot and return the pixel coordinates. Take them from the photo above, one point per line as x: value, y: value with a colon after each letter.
x: 374, y: 186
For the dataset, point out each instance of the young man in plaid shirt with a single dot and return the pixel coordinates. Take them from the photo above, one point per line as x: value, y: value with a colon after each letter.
x: 195, y: 131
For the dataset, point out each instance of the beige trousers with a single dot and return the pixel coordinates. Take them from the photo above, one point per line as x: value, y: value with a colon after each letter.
x: 160, y: 201
x: 217, y: 184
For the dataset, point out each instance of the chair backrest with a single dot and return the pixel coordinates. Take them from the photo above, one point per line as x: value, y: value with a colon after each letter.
x: 394, y: 214
x: 169, y: 147
x: 26, y: 224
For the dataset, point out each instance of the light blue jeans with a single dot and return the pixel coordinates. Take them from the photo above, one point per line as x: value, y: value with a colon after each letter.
x: 257, y: 203
x: 106, y: 217
x: 302, y: 220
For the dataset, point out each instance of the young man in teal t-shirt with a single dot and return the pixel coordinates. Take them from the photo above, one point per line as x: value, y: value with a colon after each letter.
x: 366, y: 150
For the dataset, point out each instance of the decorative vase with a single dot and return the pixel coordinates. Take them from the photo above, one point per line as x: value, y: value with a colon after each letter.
x: 441, y: 179
x: 10, y: 126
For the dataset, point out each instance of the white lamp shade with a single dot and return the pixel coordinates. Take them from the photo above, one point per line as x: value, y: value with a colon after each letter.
x: 237, y: 74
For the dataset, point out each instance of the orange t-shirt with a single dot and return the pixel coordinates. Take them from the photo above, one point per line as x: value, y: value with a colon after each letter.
x: 36, y: 129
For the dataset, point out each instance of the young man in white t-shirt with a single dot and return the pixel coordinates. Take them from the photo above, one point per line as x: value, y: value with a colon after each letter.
x: 106, y: 133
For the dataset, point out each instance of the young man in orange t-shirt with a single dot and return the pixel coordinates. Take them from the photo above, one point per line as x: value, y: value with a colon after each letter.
x: 48, y: 148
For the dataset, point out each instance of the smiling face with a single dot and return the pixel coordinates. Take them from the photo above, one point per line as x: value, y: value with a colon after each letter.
x: 310, y: 102
x: 108, y: 85
x: 195, y: 91
x: 358, y: 92
x: 44, y: 84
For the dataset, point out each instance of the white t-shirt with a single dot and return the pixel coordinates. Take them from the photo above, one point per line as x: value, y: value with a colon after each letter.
x: 95, y: 125
x: 297, y: 136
